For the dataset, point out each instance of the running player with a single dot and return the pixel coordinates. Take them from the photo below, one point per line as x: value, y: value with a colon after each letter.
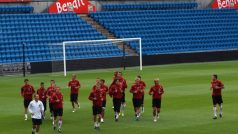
x: 216, y: 87
x: 137, y: 89
x: 96, y: 96
x: 42, y: 95
x: 27, y: 91
x: 143, y: 84
x: 156, y: 91
x: 105, y: 91
x: 50, y: 91
x: 57, y: 101
x: 124, y: 86
x: 74, y: 85
x: 116, y: 92
x: 36, y: 108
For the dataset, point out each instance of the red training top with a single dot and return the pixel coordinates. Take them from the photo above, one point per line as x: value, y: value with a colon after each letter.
x: 116, y: 91
x: 143, y: 83
x: 57, y: 100
x: 49, y: 92
x: 137, y: 90
x: 216, y: 86
x: 96, y: 96
x: 123, y: 82
x: 27, y: 91
x: 156, y: 91
x: 74, y: 86
x: 42, y: 94
x: 105, y: 91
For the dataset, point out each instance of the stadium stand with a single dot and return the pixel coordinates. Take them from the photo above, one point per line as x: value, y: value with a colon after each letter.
x: 14, y: 1
x: 148, y: 6
x: 174, y: 31
x: 15, y: 9
x: 41, y: 32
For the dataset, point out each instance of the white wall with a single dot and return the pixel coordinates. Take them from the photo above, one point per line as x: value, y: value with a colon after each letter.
x: 204, y: 3
x: 40, y: 7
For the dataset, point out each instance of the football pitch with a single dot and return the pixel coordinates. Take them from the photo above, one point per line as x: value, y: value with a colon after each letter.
x: 186, y: 104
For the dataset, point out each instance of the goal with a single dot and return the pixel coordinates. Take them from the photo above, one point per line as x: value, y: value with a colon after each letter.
x: 96, y: 50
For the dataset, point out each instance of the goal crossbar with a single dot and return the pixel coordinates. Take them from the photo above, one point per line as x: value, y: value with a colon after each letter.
x: 65, y: 43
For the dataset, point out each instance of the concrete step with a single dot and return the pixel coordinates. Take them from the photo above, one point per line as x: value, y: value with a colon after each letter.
x: 108, y: 34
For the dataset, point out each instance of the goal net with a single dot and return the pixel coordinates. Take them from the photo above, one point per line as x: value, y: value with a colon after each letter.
x: 96, y: 54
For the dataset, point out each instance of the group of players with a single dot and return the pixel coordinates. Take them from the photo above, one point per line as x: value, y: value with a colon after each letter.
x: 117, y: 92
x: 98, y: 95
x: 38, y: 106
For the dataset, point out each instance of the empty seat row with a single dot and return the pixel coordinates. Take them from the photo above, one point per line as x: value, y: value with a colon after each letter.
x: 144, y: 6
x: 170, y: 31
x: 43, y: 39
x: 16, y: 9
x: 164, y: 12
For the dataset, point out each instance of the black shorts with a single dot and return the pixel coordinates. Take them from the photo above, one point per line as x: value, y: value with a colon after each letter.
x: 217, y: 100
x: 45, y: 105
x: 26, y: 103
x: 73, y: 97
x: 117, y: 105
x: 104, y: 103
x: 137, y: 102
x: 51, y: 107
x: 36, y: 121
x: 58, y: 112
x: 97, y: 110
x: 123, y: 100
x: 156, y: 103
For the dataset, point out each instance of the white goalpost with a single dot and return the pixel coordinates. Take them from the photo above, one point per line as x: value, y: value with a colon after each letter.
x: 68, y: 43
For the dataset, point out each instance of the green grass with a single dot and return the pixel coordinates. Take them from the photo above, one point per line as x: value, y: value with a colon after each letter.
x: 186, y: 104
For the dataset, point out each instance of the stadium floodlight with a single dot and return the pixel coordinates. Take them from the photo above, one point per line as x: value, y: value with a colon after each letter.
x: 87, y: 43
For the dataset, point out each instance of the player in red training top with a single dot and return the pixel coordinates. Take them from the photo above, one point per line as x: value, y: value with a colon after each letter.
x: 57, y: 102
x: 216, y: 87
x: 27, y: 91
x: 143, y: 84
x: 124, y: 86
x: 113, y: 78
x: 49, y: 92
x: 74, y: 86
x: 156, y: 91
x: 105, y: 91
x: 42, y: 95
x: 104, y: 103
x: 116, y: 92
x: 137, y: 89
x: 96, y: 96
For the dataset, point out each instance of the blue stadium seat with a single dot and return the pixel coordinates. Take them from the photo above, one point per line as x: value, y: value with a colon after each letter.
x: 147, y: 6
x: 16, y: 9
x: 40, y: 32
x: 174, y: 31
